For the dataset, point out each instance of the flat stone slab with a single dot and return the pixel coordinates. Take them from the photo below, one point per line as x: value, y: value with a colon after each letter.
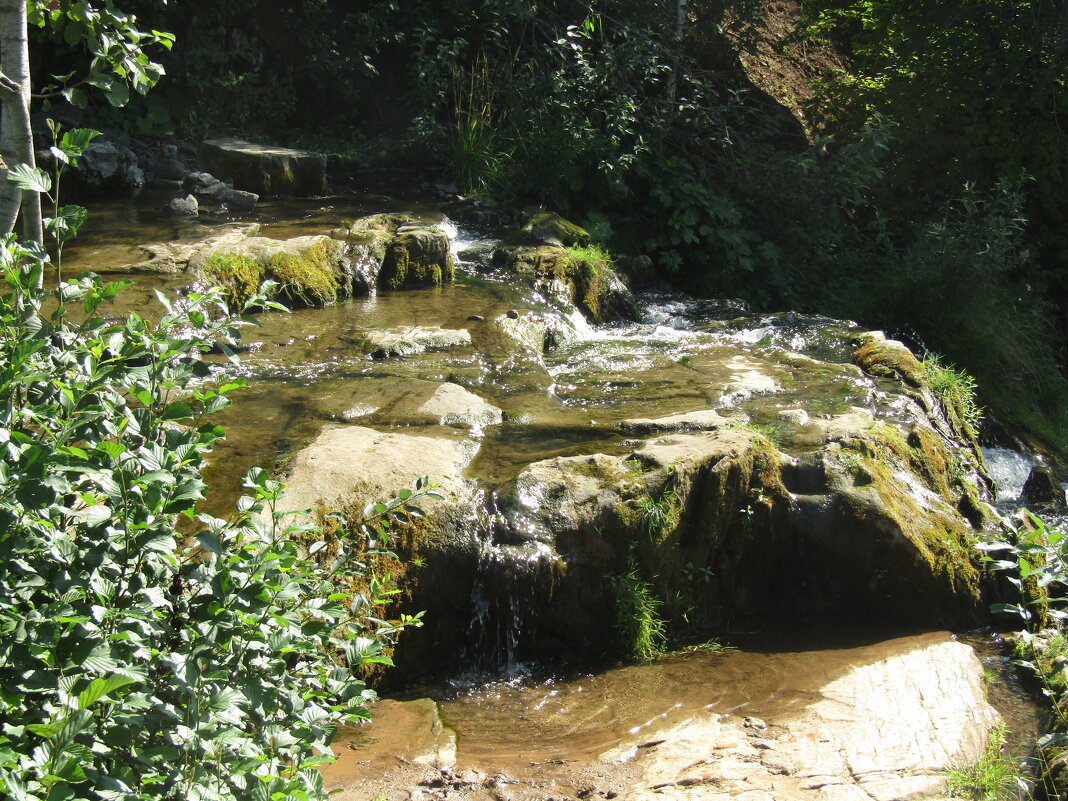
x: 446, y: 404
x: 412, y: 340
x: 264, y: 169
x: 885, y: 731
x: 392, y: 401
x: 348, y: 462
x: 701, y: 420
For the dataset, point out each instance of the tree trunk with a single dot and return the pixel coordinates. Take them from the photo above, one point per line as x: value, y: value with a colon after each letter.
x: 16, y: 138
x: 676, y: 56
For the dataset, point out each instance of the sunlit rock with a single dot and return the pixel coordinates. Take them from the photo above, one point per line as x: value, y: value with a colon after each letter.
x: 888, y: 730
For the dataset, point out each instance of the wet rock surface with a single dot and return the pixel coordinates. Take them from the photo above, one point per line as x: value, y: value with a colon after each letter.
x: 744, y: 466
x: 883, y: 727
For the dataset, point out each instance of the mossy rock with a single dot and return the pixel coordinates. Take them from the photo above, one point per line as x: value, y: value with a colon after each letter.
x: 539, y: 227
x: 310, y: 270
x: 417, y: 255
x: 888, y: 358
x: 585, y: 277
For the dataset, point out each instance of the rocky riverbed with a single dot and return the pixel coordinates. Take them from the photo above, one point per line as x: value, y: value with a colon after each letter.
x: 741, y: 468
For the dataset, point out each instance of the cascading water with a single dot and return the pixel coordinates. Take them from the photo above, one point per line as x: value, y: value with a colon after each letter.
x: 505, y: 595
x: 1009, y: 468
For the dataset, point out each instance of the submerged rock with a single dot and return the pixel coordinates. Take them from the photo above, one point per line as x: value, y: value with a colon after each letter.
x: 411, y: 340
x: 210, y: 191
x: 412, y: 403
x: 182, y: 207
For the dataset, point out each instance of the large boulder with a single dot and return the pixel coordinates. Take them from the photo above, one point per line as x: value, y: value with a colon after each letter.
x: 587, y: 280
x: 399, y: 251
x: 308, y: 270
x: 107, y: 165
x: 417, y: 255
x: 210, y: 191
x: 265, y: 169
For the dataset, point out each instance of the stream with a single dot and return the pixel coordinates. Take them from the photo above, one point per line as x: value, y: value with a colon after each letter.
x: 541, y: 727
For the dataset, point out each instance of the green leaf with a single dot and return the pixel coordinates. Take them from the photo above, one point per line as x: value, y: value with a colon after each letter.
x: 29, y: 179
x: 100, y: 687
x: 66, y: 226
x: 177, y: 411
x: 96, y: 515
x: 118, y: 94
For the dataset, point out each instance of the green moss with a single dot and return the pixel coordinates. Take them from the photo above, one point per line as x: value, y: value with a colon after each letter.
x: 888, y: 359
x: 943, y: 542
x: 589, y: 270
x: 239, y: 275
x: 547, y: 227
x: 312, y: 277
x: 409, y: 262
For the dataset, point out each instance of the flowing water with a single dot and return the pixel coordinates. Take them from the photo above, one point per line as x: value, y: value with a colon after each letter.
x: 306, y: 372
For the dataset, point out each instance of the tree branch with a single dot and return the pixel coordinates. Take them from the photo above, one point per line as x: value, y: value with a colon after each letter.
x: 9, y: 90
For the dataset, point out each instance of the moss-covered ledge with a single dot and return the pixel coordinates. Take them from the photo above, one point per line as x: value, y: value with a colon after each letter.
x: 310, y: 270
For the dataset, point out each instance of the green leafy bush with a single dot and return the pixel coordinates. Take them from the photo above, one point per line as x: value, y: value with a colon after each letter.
x: 1034, y: 559
x: 139, y: 660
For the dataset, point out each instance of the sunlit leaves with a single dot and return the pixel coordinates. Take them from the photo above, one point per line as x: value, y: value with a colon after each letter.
x: 132, y: 664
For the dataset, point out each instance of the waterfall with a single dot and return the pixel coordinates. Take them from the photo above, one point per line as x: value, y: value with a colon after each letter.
x: 1010, y: 470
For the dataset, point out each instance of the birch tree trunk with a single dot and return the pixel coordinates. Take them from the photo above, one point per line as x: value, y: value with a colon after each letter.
x: 16, y: 137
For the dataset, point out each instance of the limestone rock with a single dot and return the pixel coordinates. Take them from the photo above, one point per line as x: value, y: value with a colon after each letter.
x: 887, y: 730
x: 533, y: 332
x: 175, y: 257
x: 415, y: 403
x: 880, y: 356
x: 210, y: 191
x: 397, y: 251
x: 702, y: 420
x: 541, y: 227
x: 416, y: 256
x: 411, y: 340
x: 265, y: 169
x: 182, y: 207
x: 109, y: 164
x: 343, y: 458
x: 447, y: 405
x: 597, y: 290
